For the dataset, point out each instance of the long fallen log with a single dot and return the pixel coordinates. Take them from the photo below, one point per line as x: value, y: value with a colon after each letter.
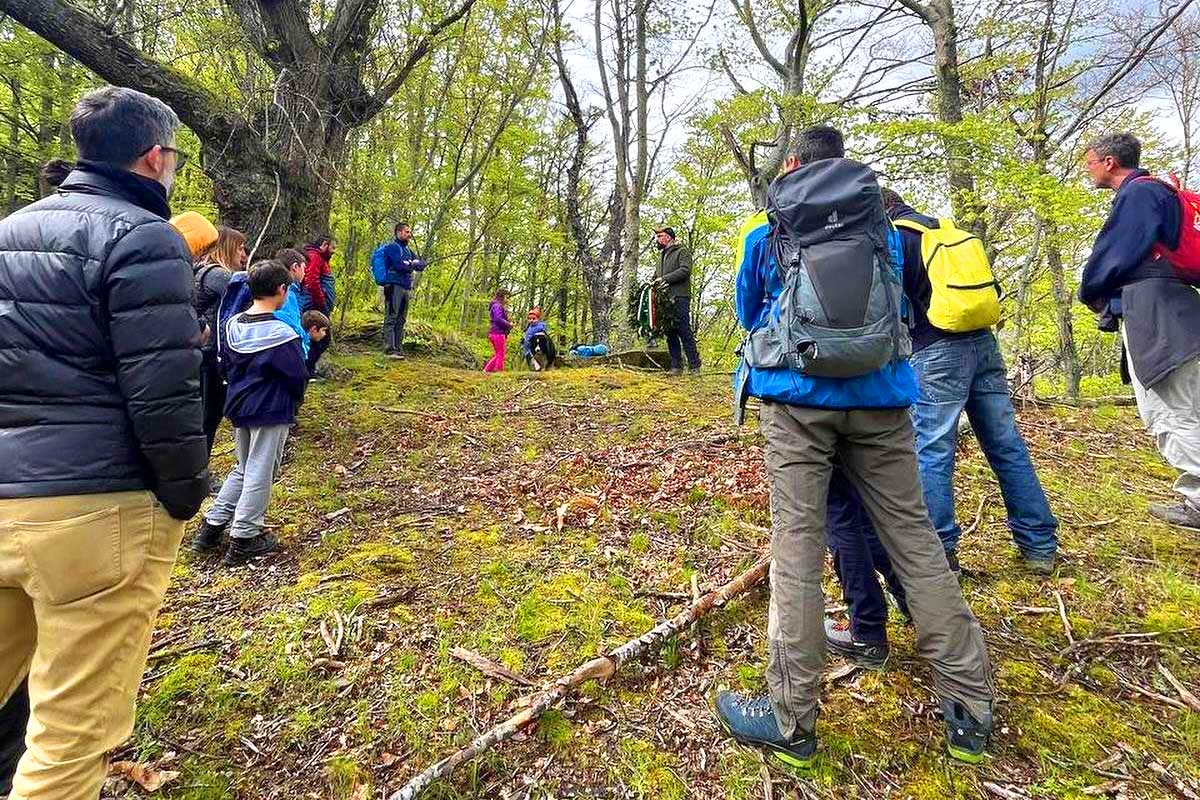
x: 600, y: 668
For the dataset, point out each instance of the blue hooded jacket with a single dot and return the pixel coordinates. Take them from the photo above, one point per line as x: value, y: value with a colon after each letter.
x: 399, y: 262
x: 265, y: 368
x: 758, y: 290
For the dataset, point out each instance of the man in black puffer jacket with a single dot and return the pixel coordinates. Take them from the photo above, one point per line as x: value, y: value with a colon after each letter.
x: 102, y: 455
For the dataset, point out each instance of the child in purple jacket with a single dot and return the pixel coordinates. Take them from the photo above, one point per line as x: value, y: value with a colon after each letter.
x: 499, y: 332
x: 264, y: 365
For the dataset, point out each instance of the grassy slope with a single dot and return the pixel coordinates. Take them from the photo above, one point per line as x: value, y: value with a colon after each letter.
x: 452, y: 513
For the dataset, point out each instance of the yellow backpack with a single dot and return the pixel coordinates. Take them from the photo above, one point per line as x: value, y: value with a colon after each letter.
x: 966, y: 295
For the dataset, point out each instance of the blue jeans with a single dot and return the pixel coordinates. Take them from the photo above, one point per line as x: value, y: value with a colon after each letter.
x: 857, y: 556
x: 967, y: 373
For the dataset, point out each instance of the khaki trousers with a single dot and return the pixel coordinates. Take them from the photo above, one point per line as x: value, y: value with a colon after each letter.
x: 875, y: 448
x: 81, y: 581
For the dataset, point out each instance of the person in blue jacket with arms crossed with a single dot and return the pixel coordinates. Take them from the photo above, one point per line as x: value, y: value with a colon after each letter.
x: 392, y: 266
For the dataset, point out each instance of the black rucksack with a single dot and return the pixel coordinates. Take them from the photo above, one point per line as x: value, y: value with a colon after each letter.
x: 840, y: 314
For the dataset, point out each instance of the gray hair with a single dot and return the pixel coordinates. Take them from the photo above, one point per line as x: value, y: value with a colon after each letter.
x: 1124, y: 148
x: 115, y: 125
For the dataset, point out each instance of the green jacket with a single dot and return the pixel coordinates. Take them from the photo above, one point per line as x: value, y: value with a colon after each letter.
x: 675, y: 267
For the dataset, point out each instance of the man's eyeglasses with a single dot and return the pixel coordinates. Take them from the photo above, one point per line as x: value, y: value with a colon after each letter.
x: 181, y: 156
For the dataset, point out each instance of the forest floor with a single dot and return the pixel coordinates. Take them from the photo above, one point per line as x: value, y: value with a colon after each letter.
x: 537, y: 520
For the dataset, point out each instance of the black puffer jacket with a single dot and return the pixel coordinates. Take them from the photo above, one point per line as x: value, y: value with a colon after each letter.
x: 99, y: 386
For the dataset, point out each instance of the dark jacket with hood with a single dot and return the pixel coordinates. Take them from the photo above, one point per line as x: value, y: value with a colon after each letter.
x: 212, y: 280
x: 264, y: 364
x: 675, y: 269
x: 1122, y: 279
x: 99, y: 346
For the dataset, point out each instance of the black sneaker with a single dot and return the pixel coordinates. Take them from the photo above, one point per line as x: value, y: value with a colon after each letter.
x: 208, y: 537
x: 966, y: 737
x: 244, y: 550
x: 751, y: 721
x: 1181, y: 515
x: 839, y: 640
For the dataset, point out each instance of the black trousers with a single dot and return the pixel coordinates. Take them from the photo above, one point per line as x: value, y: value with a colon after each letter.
x: 857, y: 556
x: 395, y: 315
x: 212, y: 396
x: 680, y: 339
x: 14, y: 717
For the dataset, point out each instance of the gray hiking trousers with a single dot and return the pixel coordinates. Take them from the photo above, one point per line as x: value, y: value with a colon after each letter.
x: 246, y: 493
x: 875, y: 447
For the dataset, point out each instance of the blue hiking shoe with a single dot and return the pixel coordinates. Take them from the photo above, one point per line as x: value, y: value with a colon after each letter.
x: 751, y: 721
x: 966, y: 737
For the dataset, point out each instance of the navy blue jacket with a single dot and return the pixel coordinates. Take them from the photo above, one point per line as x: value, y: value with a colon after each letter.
x: 264, y: 365
x: 1122, y: 279
x: 401, y: 263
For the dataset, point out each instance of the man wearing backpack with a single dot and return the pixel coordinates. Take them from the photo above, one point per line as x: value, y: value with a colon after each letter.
x: 1137, y: 278
x: 392, y: 266
x: 674, y: 276
x: 818, y: 290
x: 955, y: 301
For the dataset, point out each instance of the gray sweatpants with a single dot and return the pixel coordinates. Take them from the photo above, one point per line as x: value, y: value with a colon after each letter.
x: 875, y: 448
x: 1171, y: 411
x: 246, y: 492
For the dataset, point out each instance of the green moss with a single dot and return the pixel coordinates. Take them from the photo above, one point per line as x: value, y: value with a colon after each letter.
x: 649, y: 772
x: 555, y: 729
x: 639, y: 542
x: 345, y: 775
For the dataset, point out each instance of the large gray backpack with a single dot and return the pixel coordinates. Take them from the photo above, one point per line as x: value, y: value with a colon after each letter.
x: 840, y: 312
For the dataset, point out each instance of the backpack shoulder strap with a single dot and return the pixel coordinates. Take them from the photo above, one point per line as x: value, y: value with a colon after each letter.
x: 910, y: 225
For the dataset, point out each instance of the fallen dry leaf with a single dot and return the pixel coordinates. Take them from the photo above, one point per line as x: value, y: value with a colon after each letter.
x: 143, y: 775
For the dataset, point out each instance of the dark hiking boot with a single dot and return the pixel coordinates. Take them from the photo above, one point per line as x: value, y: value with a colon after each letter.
x: 865, y: 654
x: 675, y: 372
x: 1181, y: 515
x: 1040, y: 564
x: 751, y: 721
x: 694, y: 370
x: 244, y: 550
x: 955, y: 567
x: 208, y: 537
x: 966, y: 737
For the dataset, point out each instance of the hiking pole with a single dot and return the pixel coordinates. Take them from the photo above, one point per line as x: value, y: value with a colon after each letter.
x: 600, y: 668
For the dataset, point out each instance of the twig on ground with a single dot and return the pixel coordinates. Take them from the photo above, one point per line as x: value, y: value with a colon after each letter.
x: 1190, y: 699
x: 489, y: 667
x: 178, y: 651
x: 1126, y: 637
x: 1062, y: 614
x: 1162, y: 698
x: 1004, y: 791
x: 978, y: 517
x: 1171, y: 782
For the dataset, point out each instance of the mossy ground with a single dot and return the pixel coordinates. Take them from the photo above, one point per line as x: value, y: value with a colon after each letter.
x: 326, y: 671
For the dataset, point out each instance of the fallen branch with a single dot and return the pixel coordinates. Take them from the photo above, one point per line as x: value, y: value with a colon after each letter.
x: 600, y: 668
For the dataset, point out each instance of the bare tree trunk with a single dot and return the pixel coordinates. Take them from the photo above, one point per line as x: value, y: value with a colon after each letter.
x: 1063, y: 301
x: 14, y: 147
